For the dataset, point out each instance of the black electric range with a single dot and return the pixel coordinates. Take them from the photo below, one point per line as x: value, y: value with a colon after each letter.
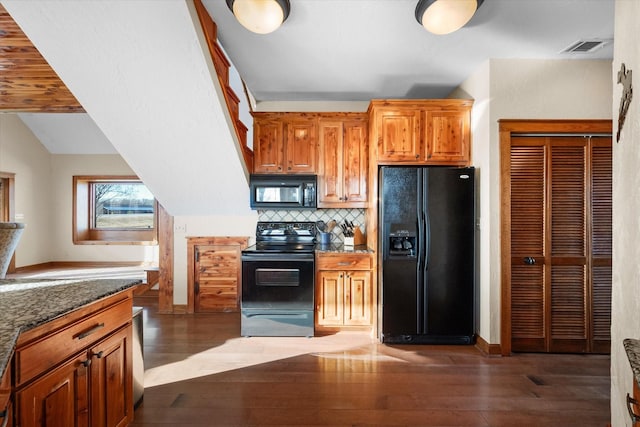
x: 278, y: 280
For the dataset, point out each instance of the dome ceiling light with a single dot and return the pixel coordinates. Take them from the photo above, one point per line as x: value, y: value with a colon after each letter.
x: 260, y: 16
x: 445, y: 16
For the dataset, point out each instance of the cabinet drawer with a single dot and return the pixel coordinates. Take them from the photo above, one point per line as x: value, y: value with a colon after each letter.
x: 343, y: 262
x: 43, y: 354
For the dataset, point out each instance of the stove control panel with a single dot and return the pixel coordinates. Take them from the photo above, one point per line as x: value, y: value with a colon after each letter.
x: 286, y: 228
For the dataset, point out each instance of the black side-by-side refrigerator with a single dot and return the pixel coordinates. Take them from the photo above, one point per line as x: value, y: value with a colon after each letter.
x: 427, y: 241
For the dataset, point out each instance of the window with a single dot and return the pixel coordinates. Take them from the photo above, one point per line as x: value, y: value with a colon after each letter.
x: 113, y: 210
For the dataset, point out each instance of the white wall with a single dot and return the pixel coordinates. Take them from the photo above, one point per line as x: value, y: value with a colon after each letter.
x: 63, y: 168
x: 22, y: 154
x: 625, y: 322
x: 43, y: 199
x: 521, y: 89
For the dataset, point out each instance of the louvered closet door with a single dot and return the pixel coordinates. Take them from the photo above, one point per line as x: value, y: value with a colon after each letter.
x: 560, y: 244
x: 528, y: 184
x: 601, y: 243
x: 568, y: 295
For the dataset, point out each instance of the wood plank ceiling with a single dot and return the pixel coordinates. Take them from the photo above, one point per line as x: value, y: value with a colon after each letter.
x: 27, y: 82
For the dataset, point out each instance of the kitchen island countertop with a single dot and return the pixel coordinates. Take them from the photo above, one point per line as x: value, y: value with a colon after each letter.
x: 632, y: 347
x: 27, y: 303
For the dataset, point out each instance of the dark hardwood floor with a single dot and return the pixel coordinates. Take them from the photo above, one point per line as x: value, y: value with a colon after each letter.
x: 200, y: 372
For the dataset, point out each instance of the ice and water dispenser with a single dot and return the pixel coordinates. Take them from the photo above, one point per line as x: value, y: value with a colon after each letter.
x: 401, y: 241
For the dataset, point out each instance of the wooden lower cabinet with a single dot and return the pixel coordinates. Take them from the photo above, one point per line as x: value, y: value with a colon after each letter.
x: 344, y: 292
x: 6, y: 400
x: 111, y: 387
x: 60, y: 398
x: 93, y: 387
x: 214, y: 273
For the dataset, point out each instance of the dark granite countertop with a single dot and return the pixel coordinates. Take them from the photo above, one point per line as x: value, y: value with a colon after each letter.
x: 27, y: 303
x: 340, y: 248
x: 632, y: 347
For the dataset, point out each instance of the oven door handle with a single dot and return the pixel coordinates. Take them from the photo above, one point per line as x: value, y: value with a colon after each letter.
x: 279, y: 257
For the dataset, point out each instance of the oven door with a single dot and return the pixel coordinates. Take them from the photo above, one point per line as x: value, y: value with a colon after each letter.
x: 278, y: 281
x: 277, y: 295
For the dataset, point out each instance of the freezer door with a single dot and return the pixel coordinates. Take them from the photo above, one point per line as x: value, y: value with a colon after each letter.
x: 400, y: 206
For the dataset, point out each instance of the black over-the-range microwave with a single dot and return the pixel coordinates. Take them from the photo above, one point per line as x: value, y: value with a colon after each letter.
x: 283, y: 191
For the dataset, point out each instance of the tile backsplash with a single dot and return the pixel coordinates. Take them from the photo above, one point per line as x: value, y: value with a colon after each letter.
x: 357, y: 216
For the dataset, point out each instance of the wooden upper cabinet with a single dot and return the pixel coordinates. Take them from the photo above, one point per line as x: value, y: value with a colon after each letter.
x: 330, y: 185
x: 285, y: 143
x: 422, y: 132
x: 398, y: 134
x: 301, y: 147
x: 268, y: 146
x: 343, y: 166
x: 448, y: 136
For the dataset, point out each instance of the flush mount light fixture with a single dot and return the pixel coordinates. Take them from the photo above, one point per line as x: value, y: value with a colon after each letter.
x: 260, y: 16
x: 445, y: 16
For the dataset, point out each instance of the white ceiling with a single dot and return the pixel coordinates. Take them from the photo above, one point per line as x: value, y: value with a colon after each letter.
x: 357, y: 50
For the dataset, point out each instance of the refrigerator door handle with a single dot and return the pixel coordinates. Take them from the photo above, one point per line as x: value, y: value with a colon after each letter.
x: 427, y: 240
x: 420, y: 241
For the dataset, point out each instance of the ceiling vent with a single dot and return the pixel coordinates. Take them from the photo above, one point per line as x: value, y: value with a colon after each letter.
x: 585, y: 46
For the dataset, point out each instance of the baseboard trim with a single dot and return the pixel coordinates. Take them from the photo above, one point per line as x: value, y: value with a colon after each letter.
x: 488, y: 349
x: 179, y: 308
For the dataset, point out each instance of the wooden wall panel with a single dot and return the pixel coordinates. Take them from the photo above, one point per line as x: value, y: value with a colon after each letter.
x: 28, y: 83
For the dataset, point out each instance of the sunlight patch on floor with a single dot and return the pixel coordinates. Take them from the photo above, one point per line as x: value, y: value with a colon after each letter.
x: 134, y: 272
x: 238, y: 353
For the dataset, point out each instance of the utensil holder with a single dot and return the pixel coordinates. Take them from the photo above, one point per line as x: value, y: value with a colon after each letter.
x: 325, y: 238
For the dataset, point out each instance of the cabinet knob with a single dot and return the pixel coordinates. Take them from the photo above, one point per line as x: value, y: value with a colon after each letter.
x: 99, y: 354
x: 417, y: 156
x: 86, y: 363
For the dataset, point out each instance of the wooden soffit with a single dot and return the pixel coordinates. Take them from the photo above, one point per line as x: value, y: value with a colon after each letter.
x: 27, y: 82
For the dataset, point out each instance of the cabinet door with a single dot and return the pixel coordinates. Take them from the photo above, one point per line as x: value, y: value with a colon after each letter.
x: 58, y: 399
x: 216, y: 278
x: 331, y: 178
x: 399, y: 136
x: 601, y: 242
x: 111, y: 381
x: 301, y: 148
x: 268, y: 147
x: 358, y: 298
x: 329, y: 298
x: 6, y: 402
x: 356, y: 164
x: 448, y: 136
